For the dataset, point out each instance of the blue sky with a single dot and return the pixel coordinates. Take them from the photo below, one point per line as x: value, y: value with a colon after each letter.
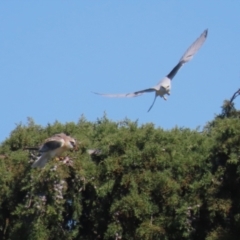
x: 54, y: 53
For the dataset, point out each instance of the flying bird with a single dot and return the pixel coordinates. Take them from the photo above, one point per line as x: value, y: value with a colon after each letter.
x: 52, y: 147
x: 164, y: 86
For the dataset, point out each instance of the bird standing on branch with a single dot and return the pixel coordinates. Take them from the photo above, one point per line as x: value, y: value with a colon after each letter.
x: 164, y: 86
x: 52, y: 147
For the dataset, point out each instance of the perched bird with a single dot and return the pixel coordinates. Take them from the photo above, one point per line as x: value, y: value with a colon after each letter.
x: 164, y: 86
x: 52, y: 147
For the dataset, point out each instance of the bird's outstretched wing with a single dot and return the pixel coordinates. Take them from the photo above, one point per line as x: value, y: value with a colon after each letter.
x: 127, y: 95
x: 188, y: 55
x: 120, y: 95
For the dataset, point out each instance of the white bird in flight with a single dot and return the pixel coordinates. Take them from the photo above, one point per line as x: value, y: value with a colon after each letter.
x: 52, y: 147
x: 164, y: 86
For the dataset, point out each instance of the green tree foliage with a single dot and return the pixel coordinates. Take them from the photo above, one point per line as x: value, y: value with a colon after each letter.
x: 144, y: 183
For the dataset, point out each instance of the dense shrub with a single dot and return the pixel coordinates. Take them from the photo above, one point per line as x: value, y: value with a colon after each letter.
x: 144, y: 183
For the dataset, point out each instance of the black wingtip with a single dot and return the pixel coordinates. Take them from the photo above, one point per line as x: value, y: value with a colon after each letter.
x: 96, y: 93
x: 206, y: 32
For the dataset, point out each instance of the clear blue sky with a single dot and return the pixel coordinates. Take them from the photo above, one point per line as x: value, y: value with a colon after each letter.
x: 54, y: 53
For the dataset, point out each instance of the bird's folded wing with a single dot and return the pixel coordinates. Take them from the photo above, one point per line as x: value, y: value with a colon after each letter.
x: 134, y: 94
x: 50, y: 145
x: 188, y: 55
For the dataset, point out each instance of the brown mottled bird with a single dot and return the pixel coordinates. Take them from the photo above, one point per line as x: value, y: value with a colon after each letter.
x: 52, y: 147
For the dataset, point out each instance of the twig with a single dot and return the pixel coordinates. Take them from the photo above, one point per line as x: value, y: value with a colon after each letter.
x: 236, y: 94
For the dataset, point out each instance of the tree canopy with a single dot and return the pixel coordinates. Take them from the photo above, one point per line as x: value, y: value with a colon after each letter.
x: 142, y: 182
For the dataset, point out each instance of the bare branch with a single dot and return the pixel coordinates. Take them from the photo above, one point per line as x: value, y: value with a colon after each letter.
x: 236, y: 94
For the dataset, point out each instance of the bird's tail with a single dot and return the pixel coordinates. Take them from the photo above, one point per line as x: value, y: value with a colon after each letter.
x: 40, y: 162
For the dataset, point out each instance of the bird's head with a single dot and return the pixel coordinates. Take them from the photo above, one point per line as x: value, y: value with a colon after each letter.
x: 71, y: 143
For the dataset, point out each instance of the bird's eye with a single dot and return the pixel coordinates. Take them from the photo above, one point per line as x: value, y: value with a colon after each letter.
x: 72, y: 143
